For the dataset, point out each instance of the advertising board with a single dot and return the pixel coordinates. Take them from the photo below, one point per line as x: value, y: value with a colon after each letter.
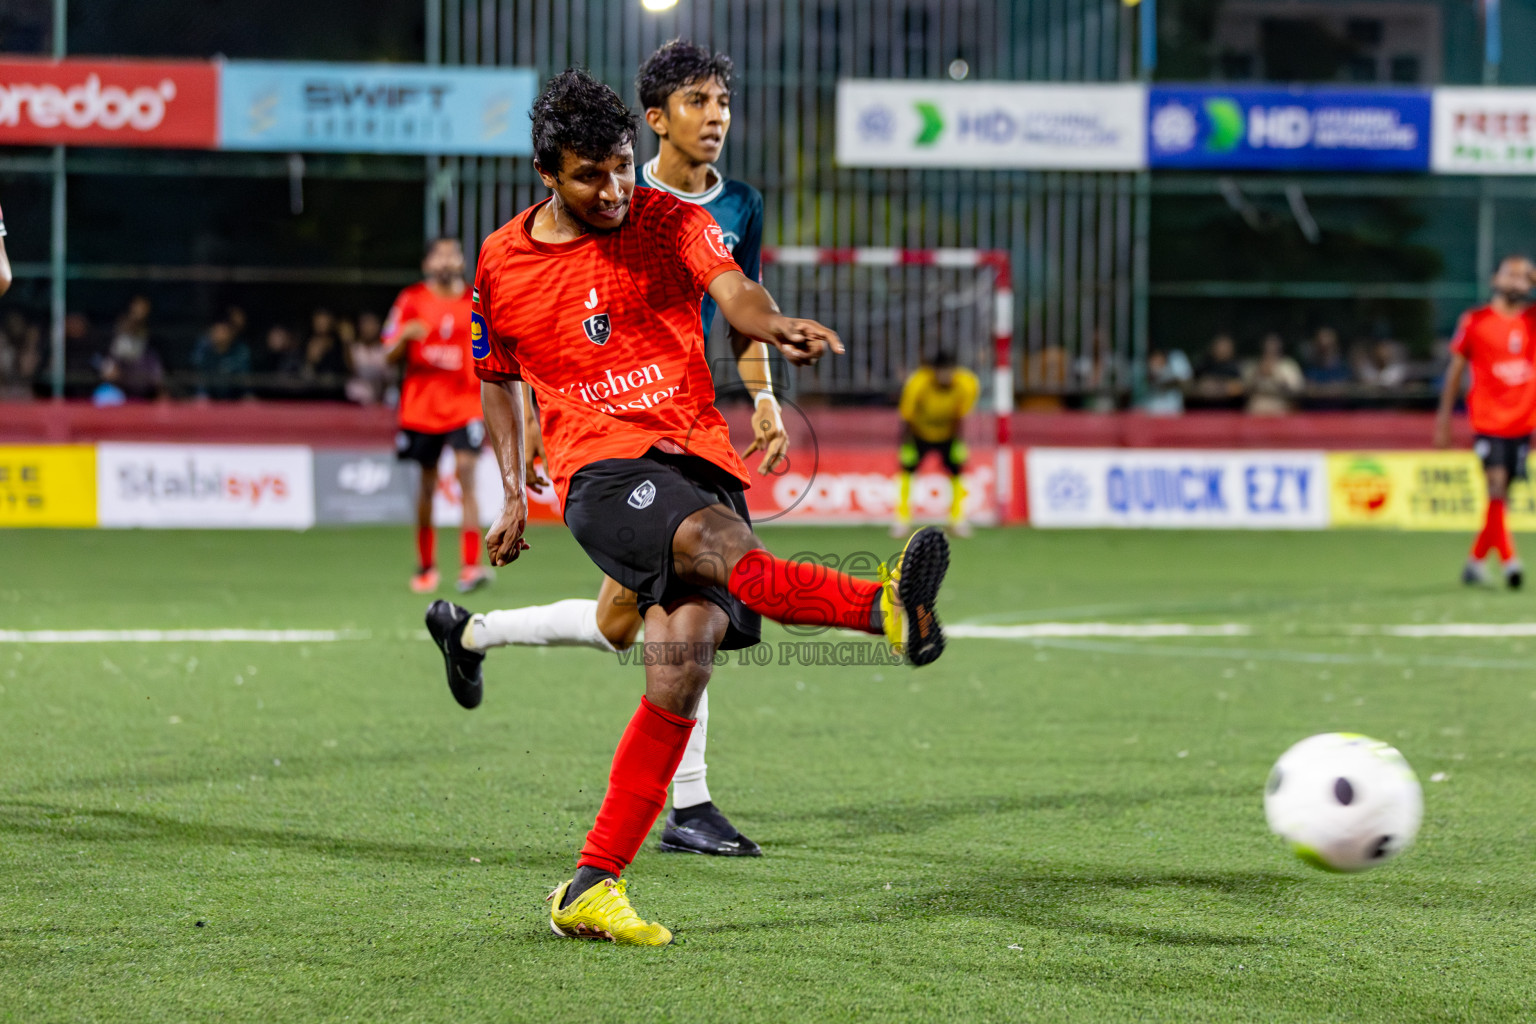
x: 224, y: 486
x: 109, y: 103
x: 47, y: 485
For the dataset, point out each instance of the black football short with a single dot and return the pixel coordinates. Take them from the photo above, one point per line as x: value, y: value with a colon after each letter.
x: 951, y: 452
x: 623, y: 513
x: 427, y: 449
x: 1509, y: 452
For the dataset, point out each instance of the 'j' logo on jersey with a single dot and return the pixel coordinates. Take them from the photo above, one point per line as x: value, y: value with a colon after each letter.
x: 597, y: 328
x: 479, y: 337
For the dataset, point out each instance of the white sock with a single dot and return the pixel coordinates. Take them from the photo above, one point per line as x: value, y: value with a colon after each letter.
x: 571, y: 623
x: 688, y: 785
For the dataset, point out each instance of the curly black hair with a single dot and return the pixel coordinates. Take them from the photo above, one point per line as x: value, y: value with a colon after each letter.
x: 576, y: 112
x: 675, y: 65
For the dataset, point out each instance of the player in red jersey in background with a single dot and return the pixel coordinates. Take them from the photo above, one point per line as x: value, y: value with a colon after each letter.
x: 427, y: 334
x: 592, y: 298
x: 1498, y: 342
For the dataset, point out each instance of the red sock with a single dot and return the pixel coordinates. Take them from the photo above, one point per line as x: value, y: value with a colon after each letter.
x: 1499, y: 530
x: 469, y: 548
x: 1493, y: 525
x: 426, y: 547
x: 802, y: 593
x: 643, y: 766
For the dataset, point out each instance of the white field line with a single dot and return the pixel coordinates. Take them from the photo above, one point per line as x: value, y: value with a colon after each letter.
x: 172, y: 636
x: 1156, y: 630
x: 1040, y: 630
x: 1140, y: 650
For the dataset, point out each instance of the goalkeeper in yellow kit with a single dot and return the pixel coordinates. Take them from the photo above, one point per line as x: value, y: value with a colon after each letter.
x: 934, y: 403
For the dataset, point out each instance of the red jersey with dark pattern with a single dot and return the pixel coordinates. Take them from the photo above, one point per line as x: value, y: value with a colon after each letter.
x: 1500, y: 350
x: 606, y: 331
x: 440, y: 392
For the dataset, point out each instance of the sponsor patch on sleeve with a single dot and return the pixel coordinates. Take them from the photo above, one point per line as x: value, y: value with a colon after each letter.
x: 479, y: 336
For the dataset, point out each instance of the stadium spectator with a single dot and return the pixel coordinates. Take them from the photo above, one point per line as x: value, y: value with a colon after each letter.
x: 325, y: 358
x: 371, y: 373
x: 222, y: 362
x: 1390, y: 362
x: 279, y: 357
x: 1168, y: 373
x: 1045, y: 380
x: 131, y: 368
x: 1274, y: 381
x: 1220, y: 375
x: 1325, y: 363
x: 21, y: 348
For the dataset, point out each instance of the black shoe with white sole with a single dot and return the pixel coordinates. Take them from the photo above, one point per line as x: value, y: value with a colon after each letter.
x: 703, y: 829
x: 445, y: 621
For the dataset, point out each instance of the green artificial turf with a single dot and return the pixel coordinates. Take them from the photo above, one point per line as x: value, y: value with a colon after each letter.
x: 1063, y: 829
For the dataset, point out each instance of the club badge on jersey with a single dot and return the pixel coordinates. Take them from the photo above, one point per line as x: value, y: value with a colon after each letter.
x: 598, y: 329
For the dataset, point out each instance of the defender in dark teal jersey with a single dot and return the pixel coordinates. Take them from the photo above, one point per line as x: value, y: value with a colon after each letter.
x: 686, y: 93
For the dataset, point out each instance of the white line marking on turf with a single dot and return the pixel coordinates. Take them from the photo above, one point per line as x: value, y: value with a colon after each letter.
x: 1256, y: 654
x: 171, y: 636
x: 1037, y: 630
x: 1473, y: 629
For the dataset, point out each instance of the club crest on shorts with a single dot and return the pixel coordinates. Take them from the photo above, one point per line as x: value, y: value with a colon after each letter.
x: 642, y: 496
x: 597, y: 328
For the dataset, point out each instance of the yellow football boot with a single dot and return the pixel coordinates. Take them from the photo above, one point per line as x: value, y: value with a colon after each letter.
x: 907, y: 594
x: 603, y: 912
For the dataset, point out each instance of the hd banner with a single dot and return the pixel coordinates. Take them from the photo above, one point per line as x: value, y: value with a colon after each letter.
x: 1278, y: 129
x: 1084, y: 127
x: 1177, y: 489
x: 376, y: 108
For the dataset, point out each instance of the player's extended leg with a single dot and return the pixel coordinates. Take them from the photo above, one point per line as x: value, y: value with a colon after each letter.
x: 472, y: 575
x: 954, y: 461
x: 425, y: 580
x: 714, y: 547
x: 909, y: 457
x: 1495, y: 533
x: 609, y: 623
x: 681, y: 642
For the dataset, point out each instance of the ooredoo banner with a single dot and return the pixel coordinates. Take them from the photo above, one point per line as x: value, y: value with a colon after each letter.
x: 1274, y: 490
x: 181, y: 485
x: 109, y: 103
x: 851, y: 485
x: 1084, y: 126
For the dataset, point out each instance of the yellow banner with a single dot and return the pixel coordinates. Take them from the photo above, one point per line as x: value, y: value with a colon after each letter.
x: 47, y: 485
x: 1433, y: 490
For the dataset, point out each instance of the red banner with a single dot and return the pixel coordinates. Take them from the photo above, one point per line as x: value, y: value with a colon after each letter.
x: 109, y: 103
x: 837, y: 484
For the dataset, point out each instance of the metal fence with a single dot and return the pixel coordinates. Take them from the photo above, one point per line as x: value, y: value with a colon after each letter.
x: 1071, y: 236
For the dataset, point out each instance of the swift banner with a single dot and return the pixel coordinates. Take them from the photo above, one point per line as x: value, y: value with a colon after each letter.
x: 376, y: 108
x: 1092, y: 127
x: 1316, y: 129
x: 1278, y: 490
x: 1484, y: 131
x: 109, y: 103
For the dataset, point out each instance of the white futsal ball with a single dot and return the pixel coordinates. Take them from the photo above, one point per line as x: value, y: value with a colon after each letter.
x: 1344, y: 802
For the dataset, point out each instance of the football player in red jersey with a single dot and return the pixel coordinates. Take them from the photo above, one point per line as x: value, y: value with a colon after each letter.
x: 427, y: 333
x: 1498, y: 343
x: 686, y: 91
x: 652, y: 489
x: 5, y: 262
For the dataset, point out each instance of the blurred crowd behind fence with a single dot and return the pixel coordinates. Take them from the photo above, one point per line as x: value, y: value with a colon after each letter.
x: 1123, y: 282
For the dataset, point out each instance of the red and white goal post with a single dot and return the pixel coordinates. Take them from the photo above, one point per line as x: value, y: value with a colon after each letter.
x: 992, y: 492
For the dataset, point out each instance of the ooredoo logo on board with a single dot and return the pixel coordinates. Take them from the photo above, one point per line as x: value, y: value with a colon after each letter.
x: 205, y: 485
x: 109, y: 103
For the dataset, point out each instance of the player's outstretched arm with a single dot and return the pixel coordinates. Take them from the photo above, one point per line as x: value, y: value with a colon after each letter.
x: 1449, y: 392
x: 768, y: 434
x: 502, y: 403
x: 751, y: 310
